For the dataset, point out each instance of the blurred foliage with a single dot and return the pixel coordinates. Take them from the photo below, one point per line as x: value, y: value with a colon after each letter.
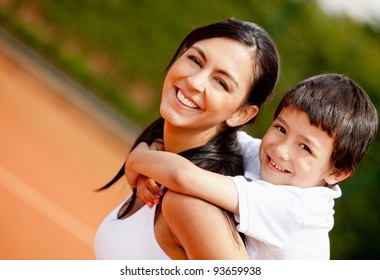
x: 119, y: 49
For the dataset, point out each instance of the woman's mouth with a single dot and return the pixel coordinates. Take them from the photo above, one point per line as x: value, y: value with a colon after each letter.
x: 186, y: 102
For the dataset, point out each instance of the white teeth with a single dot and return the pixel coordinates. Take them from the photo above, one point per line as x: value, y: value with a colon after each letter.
x: 186, y: 101
x: 277, y: 166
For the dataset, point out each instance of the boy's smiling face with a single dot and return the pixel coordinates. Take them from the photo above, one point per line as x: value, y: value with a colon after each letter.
x: 294, y: 152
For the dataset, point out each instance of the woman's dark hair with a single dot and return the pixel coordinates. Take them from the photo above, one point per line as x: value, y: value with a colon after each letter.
x: 222, y: 153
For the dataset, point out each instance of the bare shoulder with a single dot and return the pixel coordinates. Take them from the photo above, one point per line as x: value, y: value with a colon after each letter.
x: 201, y: 228
x: 178, y: 205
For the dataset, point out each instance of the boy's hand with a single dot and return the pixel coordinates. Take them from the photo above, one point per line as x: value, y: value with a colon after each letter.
x: 148, y: 191
x: 157, y: 145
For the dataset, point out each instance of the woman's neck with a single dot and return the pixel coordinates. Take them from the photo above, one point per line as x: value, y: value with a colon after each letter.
x: 177, y: 140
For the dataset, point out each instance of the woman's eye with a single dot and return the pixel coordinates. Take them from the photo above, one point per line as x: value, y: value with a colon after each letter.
x: 195, y: 60
x: 223, y: 84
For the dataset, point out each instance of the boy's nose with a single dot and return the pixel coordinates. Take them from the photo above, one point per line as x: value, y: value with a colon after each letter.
x: 282, y: 151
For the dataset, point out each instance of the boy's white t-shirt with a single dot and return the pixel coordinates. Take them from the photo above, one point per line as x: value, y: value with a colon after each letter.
x: 282, y: 222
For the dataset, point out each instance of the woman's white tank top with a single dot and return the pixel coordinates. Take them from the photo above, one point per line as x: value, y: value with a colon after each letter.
x: 131, y: 238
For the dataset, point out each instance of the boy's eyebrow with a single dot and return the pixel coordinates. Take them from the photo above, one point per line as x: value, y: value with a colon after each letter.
x: 225, y: 73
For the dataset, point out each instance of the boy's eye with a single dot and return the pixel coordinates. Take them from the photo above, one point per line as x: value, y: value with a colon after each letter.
x: 306, y: 148
x: 280, y: 128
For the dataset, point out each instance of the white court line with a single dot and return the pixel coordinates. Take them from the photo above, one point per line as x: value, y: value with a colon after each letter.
x: 46, y: 207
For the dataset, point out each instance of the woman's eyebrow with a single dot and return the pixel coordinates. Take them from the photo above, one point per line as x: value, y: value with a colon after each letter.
x: 225, y: 73
x: 200, y: 51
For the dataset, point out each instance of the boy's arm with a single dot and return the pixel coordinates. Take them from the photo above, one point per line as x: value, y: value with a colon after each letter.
x: 180, y: 175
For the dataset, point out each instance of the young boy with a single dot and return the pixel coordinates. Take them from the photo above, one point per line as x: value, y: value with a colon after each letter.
x: 284, y: 204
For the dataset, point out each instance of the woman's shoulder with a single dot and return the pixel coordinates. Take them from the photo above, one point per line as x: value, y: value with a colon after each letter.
x: 200, y: 227
x: 185, y: 206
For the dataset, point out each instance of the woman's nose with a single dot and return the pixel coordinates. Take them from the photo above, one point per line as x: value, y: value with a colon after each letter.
x: 197, y: 82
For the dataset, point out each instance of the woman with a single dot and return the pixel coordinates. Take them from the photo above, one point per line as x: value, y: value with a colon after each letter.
x: 216, y: 82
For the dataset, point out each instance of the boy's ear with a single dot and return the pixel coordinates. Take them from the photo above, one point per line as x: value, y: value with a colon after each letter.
x: 337, y: 176
x: 243, y: 115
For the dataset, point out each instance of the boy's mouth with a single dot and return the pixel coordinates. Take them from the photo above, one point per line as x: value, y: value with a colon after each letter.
x: 185, y: 101
x: 276, y: 166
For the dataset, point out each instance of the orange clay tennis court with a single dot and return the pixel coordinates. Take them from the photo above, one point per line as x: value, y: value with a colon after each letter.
x: 53, y: 155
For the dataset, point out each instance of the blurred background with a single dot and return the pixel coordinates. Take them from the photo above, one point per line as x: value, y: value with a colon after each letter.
x: 118, y: 50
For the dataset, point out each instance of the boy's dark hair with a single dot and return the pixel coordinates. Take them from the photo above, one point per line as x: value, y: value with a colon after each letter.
x: 340, y: 107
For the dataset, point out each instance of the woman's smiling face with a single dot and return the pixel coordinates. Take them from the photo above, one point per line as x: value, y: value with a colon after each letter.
x: 206, y: 85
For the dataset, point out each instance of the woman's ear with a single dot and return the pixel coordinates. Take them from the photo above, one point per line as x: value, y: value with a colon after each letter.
x: 337, y: 176
x: 243, y: 115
